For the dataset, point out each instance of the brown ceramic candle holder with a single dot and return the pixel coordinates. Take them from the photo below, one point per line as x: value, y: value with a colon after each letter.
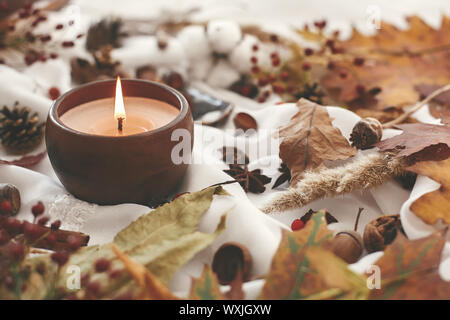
x: 111, y: 170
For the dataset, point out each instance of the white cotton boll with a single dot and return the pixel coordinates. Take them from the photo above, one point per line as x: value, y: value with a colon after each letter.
x: 199, y: 70
x: 223, y: 35
x: 241, y: 55
x: 172, y: 54
x: 223, y: 75
x: 195, y: 42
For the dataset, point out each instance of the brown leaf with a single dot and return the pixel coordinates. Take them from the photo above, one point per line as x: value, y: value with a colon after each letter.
x: 435, y: 205
x: 395, y: 62
x: 245, y: 121
x: 409, y: 269
x: 26, y: 161
x: 420, y: 141
x: 310, y: 139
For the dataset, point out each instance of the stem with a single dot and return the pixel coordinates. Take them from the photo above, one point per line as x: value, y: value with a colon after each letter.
x: 404, y: 116
x: 357, y: 219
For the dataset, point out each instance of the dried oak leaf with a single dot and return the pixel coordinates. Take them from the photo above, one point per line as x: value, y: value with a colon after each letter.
x: 310, y: 139
x: 26, y: 161
x: 250, y: 181
x: 410, y: 269
x: 435, y: 205
x: 304, y: 267
x: 395, y: 62
x: 419, y: 142
x: 440, y: 105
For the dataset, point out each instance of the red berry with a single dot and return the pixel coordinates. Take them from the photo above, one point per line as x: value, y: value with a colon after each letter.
x: 254, y: 60
x: 51, y: 238
x: 59, y: 26
x: 32, y: 231
x: 255, y: 69
x: 358, y: 61
x: 255, y: 47
x: 43, y: 221
x: 274, y: 55
x: 68, y: 44
x: 81, y: 35
x: 262, y: 82
x: 55, y: 225
x: 320, y: 24
x: 85, y: 279
x: 16, y: 250
x: 38, y: 209
x: 343, y: 74
x: 46, y: 38
x: 329, y: 43
x: 284, y: 75
x: 6, y: 207
x: 261, y: 99
x: 93, y: 287
x: 60, y: 257
x: 297, y: 224
x: 9, y: 282
x: 274, y: 38
x: 308, y: 51
x: 276, y: 62
x: 54, y: 93
x: 278, y: 89
x: 360, y: 88
x: 4, y: 6
x: 53, y: 55
x: 306, y: 66
x: 13, y: 226
x: 73, y: 242
x: 4, y: 237
x: 102, y: 265
x: 114, y: 274
x: 266, y: 94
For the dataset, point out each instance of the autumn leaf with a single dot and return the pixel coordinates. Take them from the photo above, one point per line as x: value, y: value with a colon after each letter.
x: 395, y: 61
x: 419, y: 142
x: 206, y: 287
x: 151, y: 288
x: 440, y: 105
x: 409, y: 269
x: 310, y: 139
x: 434, y: 206
x: 299, y: 271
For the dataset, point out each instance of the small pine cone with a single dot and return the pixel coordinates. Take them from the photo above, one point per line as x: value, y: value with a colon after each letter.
x: 366, y: 133
x: 20, y: 131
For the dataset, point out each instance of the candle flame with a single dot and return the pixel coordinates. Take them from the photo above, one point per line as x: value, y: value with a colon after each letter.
x: 119, y: 107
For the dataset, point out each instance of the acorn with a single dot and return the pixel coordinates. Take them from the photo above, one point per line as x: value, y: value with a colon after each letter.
x: 11, y: 194
x: 229, y: 259
x: 348, y: 244
x: 366, y: 133
x: 381, y: 232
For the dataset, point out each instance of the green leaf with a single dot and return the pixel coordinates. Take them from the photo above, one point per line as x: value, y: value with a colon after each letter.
x: 206, y: 287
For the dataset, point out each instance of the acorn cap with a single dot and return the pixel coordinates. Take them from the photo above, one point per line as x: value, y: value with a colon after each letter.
x: 229, y: 259
x: 348, y: 245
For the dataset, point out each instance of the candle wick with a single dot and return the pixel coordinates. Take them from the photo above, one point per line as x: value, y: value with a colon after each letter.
x: 120, y: 124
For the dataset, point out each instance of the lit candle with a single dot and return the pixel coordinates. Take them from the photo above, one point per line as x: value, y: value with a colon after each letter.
x: 119, y: 116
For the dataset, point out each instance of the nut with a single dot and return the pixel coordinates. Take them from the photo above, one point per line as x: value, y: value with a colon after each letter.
x: 366, y: 133
x: 348, y: 245
x: 381, y: 231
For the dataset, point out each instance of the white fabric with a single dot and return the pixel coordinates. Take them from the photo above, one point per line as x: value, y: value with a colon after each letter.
x: 245, y: 223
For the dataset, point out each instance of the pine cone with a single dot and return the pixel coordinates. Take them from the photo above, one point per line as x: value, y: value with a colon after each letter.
x: 20, y: 131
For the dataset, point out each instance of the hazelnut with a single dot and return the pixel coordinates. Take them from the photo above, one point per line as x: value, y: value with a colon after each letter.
x: 10, y: 193
x: 381, y: 231
x: 229, y: 259
x: 366, y: 133
x: 348, y: 245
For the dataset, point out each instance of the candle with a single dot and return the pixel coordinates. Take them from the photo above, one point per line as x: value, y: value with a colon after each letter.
x: 98, y: 162
x: 119, y: 116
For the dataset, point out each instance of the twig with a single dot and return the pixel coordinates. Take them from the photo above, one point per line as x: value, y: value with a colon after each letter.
x: 357, y: 219
x: 404, y: 116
